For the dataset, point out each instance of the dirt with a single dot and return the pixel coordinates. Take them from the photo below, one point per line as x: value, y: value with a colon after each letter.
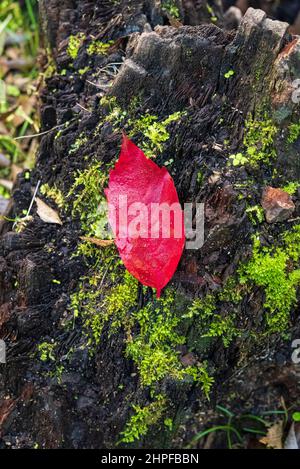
x: 169, y: 70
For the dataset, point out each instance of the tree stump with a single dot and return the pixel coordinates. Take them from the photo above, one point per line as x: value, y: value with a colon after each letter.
x: 85, y: 343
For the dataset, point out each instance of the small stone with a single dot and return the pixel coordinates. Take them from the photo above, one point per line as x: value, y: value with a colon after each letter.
x: 189, y: 359
x: 277, y: 204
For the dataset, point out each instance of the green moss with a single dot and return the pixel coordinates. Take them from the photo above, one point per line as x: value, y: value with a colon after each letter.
x: 89, y: 304
x: 212, y: 324
x: 5, y: 193
x: 119, y: 303
x: 99, y: 48
x: 88, y: 196
x: 229, y: 74
x: 155, y: 132
x: 53, y: 193
x: 211, y: 12
x: 200, y: 178
x: 224, y: 328
x: 171, y: 7
x: 291, y: 187
x: 144, y: 417
x: 256, y: 214
x: 79, y: 142
x: 75, y: 42
x: 168, y: 422
x: 82, y: 71
x: 238, y: 159
x: 274, y: 270
x: 153, y: 349
x: 294, y: 132
x: 258, y: 142
x: 115, y: 114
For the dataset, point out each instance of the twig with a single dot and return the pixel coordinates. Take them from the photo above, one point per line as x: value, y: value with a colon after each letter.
x: 31, y: 203
x: 86, y: 110
x: 41, y: 133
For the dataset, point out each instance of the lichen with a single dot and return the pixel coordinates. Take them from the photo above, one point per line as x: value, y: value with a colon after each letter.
x: 74, y: 44
x: 99, y: 48
x: 89, y: 199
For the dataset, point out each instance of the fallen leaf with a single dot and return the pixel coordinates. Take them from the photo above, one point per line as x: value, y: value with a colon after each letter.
x: 15, y: 170
x: 97, y: 241
x: 273, y: 439
x: 7, y: 184
x: 46, y: 213
x: 4, y: 162
x: 152, y: 259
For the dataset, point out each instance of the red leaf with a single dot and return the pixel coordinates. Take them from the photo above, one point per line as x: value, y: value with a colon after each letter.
x: 148, y: 254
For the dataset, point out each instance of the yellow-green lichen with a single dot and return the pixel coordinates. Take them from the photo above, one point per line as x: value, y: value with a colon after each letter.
x: 46, y: 351
x: 99, y: 48
x: 75, y: 42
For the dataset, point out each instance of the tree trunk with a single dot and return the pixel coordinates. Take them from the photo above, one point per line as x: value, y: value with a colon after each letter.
x: 80, y: 353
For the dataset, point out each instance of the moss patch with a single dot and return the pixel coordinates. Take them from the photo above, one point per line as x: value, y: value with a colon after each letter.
x: 275, y: 270
x: 75, y: 42
x: 258, y: 142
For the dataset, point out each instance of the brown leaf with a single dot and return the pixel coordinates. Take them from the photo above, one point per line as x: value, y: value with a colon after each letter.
x: 46, y: 213
x: 4, y: 162
x: 273, y: 439
x: 15, y: 170
x: 97, y: 241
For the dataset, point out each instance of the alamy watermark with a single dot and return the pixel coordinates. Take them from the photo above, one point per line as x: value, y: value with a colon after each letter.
x: 296, y: 92
x: 296, y: 352
x: 2, y: 351
x: 153, y: 221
